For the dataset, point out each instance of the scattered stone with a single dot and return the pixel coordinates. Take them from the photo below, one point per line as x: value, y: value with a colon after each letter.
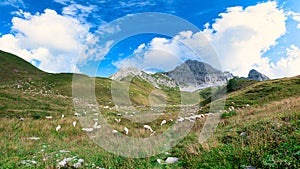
x: 243, y: 134
x: 87, y: 129
x: 78, y: 164
x: 33, y: 138
x: 64, y: 162
x: 169, y: 160
x: 115, y: 131
x: 28, y: 162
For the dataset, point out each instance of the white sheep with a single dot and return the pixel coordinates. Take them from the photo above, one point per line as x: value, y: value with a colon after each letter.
x: 58, y: 127
x: 62, y: 116
x: 48, y: 117
x: 163, y: 122
x: 118, y: 120
x: 115, y: 131
x: 96, y: 126
x: 126, y: 130
x: 74, y: 123
x: 148, y: 128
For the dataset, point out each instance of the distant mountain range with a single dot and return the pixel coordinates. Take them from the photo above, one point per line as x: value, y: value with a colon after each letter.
x: 189, y: 76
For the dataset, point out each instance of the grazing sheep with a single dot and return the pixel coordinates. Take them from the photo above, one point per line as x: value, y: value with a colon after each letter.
x: 74, y: 123
x: 58, y: 127
x: 126, y: 130
x: 148, y: 128
x: 62, y: 116
x: 180, y: 119
x: 20, y: 118
x: 163, y: 122
x: 96, y: 126
x: 118, y: 120
x: 48, y: 117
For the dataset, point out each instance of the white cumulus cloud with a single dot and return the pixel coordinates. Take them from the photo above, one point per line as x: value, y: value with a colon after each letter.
x: 287, y: 66
x: 54, y: 40
x: 240, y: 37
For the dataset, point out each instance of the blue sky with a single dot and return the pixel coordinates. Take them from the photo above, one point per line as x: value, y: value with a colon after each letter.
x: 53, y: 35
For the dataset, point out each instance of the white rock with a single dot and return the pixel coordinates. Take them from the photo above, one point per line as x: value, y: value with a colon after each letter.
x: 78, y: 164
x: 64, y: 163
x: 87, y: 129
x: 160, y: 161
x: 28, y: 162
x: 170, y: 160
x: 115, y: 131
x: 33, y: 138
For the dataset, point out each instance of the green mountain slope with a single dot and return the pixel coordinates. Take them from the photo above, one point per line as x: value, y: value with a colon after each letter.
x: 14, y: 69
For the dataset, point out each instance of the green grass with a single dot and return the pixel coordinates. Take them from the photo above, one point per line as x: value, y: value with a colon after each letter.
x: 271, y: 122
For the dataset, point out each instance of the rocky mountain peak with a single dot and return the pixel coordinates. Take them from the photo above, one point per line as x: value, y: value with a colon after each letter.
x: 255, y: 75
x: 193, y: 75
x: 199, y: 67
x: 157, y: 80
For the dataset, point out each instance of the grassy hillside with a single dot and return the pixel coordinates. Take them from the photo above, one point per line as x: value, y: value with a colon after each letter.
x: 263, y: 134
